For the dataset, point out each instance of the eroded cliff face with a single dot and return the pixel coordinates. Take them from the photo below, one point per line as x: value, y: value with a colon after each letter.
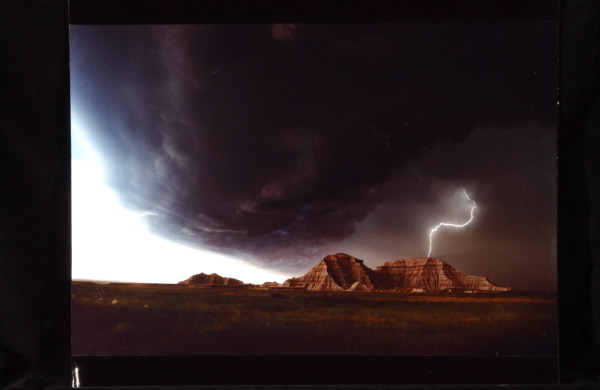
x: 430, y: 274
x: 212, y: 279
x: 317, y: 278
x: 336, y: 272
x: 341, y: 272
x: 478, y: 283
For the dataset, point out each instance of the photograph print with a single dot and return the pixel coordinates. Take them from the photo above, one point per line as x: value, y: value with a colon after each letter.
x: 334, y: 189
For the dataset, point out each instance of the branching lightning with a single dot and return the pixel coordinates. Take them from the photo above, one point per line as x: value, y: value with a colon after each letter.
x: 473, y: 207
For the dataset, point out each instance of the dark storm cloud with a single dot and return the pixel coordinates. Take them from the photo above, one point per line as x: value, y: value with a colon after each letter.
x: 270, y: 140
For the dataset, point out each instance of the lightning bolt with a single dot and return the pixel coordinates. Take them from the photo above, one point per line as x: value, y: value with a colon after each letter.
x: 473, y: 207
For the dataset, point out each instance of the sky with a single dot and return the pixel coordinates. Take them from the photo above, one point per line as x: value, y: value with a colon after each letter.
x: 255, y: 150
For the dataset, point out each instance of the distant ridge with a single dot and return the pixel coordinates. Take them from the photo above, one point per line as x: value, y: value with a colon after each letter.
x: 212, y: 279
x: 342, y: 272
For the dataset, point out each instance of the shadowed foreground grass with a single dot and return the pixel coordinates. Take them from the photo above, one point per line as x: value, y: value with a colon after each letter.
x: 121, y: 319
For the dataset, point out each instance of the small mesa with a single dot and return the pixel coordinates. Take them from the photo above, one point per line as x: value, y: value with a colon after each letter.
x: 212, y: 279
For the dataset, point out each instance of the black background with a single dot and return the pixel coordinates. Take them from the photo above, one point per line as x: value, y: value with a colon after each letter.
x: 35, y: 188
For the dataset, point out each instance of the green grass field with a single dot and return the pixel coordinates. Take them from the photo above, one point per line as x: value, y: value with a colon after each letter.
x: 121, y: 319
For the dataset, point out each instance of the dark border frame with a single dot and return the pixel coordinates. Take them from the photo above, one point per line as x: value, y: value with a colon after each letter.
x: 314, y: 11
x: 314, y: 370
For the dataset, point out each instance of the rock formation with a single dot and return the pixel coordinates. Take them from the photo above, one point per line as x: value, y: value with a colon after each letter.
x: 212, y: 279
x: 341, y: 272
x: 270, y: 284
x: 430, y: 274
x: 336, y: 272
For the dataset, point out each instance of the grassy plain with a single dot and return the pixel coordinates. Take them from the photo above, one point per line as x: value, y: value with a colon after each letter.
x: 122, y: 319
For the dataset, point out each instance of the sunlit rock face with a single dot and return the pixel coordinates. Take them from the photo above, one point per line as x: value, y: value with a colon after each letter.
x: 336, y: 272
x: 212, y: 279
x: 430, y: 274
x: 341, y: 272
x: 480, y: 283
x: 317, y: 278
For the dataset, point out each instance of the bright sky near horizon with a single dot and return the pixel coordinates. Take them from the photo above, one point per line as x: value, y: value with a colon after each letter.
x: 111, y: 243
